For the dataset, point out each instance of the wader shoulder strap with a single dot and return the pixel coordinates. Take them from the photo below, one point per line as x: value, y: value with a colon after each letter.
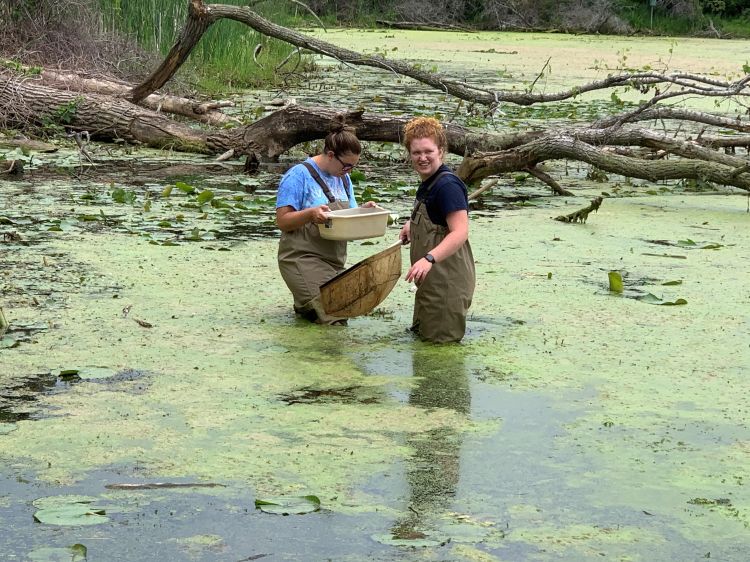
x: 323, y: 185
x: 427, y: 191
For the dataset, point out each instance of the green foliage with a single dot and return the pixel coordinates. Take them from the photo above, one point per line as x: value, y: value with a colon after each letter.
x: 20, y: 68
x: 53, y: 123
x: 223, y: 59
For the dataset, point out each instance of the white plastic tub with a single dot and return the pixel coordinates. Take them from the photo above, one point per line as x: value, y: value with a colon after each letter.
x: 355, y: 224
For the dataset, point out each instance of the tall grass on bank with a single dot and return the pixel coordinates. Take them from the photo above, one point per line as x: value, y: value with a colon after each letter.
x: 222, y: 60
x: 663, y: 23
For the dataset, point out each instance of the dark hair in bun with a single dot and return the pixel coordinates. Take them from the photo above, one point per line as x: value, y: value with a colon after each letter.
x: 342, y: 138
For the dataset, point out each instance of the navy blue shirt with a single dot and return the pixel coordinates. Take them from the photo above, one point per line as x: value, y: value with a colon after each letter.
x: 447, y: 195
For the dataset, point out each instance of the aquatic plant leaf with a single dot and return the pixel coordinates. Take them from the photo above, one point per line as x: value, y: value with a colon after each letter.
x: 356, y: 176
x: 9, y: 343
x: 182, y: 186
x: 119, y: 195
x: 615, y: 282
x: 289, y: 505
x: 68, y: 510
x: 69, y: 374
x: 651, y: 298
x: 74, y: 553
x: 205, y: 196
x: 167, y: 191
x: 686, y: 242
x: 676, y: 282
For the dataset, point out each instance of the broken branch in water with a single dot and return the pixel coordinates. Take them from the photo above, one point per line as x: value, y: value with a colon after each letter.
x: 581, y: 214
x: 157, y: 485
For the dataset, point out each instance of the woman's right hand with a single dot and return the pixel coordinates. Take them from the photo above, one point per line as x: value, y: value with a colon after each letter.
x: 405, y: 234
x: 318, y: 214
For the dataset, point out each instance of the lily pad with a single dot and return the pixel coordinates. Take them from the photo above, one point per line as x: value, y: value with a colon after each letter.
x: 87, y: 373
x: 289, y: 505
x: 52, y: 554
x: 8, y: 342
x: 651, y: 298
x: 68, y: 510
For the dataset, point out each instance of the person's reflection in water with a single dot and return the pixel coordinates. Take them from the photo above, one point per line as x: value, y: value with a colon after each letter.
x: 433, y: 471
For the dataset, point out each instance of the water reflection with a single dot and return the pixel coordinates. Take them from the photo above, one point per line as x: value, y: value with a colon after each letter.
x: 433, y: 471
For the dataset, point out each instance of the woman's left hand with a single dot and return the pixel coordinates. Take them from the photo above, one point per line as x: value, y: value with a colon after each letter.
x: 370, y: 204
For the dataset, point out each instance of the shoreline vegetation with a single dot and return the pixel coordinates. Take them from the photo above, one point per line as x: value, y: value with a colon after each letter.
x: 125, y: 38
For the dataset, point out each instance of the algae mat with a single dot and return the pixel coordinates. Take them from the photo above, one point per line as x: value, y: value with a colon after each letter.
x: 572, y: 424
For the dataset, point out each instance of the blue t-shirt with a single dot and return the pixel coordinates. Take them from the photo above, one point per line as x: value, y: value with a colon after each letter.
x: 447, y: 195
x: 299, y: 190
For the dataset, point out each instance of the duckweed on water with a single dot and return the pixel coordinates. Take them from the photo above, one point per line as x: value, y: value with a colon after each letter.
x: 569, y: 424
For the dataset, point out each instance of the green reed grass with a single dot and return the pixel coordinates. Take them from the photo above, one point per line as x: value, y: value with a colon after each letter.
x: 223, y: 59
x: 663, y: 24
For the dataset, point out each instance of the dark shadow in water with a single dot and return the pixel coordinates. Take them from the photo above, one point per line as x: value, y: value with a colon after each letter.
x: 347, y: 395
x: 433, y: 471
x: 21, y: 392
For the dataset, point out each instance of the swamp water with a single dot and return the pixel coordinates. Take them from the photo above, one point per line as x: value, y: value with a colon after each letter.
x: 152, y: 342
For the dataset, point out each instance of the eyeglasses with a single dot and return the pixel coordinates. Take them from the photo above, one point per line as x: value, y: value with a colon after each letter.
x: 345, y: 166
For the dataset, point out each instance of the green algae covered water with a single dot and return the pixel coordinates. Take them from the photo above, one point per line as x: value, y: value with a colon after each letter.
x: 155, y: 384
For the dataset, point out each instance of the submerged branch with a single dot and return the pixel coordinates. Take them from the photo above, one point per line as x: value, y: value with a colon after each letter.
x: 581, y: 214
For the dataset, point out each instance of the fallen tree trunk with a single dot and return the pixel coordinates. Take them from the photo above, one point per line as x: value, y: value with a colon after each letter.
x: 109, y: 119
x: 564, y: 146
x: 207, y: 112
x: 487, y: 154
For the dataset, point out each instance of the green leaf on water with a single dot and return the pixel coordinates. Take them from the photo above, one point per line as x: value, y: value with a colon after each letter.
x: 686, y: 242
x: 195, y: 235
x: 68, y: 510
x: 615, y: 282
x: 676, y: 282
x: 651, y: 298
x: 69, y: 374
x: 8, y: 342
x: 119, y: 195
x: 205, y: 196
x: 75, y: 553
x: 182, y: 186
x: 289, y: 505
x: 167, y: 191
x: 356, y: 176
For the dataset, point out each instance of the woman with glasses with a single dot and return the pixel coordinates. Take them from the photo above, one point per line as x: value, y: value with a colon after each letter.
x: 306, y: 193
x: 442, y: 262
